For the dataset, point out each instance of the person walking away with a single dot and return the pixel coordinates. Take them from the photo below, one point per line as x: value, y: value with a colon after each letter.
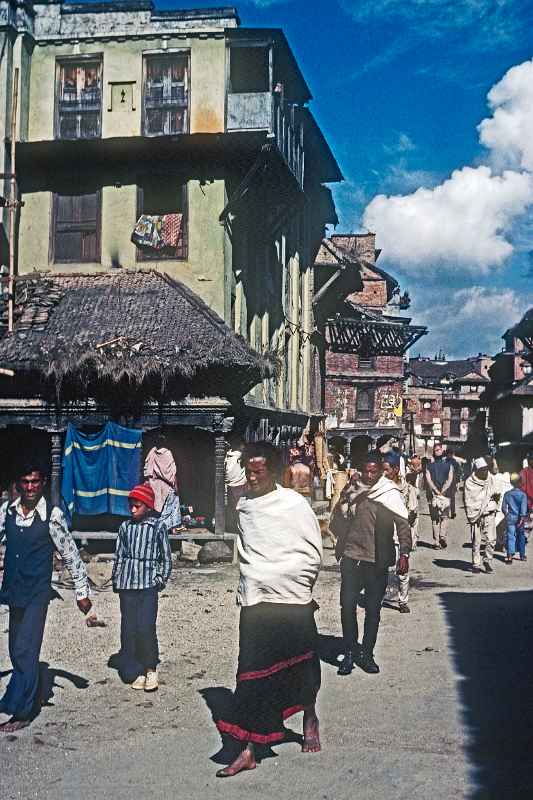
x: 364, y: 523
x: 392, y: 470
x: 160, y: 472
x: 280, y: 552
x: 502, y: 484
x: 481, y: 506
x: 235, y: 481
x: 298, y: 475
x: 452, y: 492
x: 439, y: 479
x: 526, y: 476
x: 33, y: 529
x: 142, y: 567
x: 514, y: 507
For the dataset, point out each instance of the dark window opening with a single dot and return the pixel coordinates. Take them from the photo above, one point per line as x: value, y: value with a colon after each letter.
x: 159, y: 196
x: 249, y: 70
x: 166, y: 95
x: 363, y: 404
x: 76, y: 228
x: 79, y: 100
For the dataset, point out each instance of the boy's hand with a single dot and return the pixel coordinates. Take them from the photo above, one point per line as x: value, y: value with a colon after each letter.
x: 84, y: 605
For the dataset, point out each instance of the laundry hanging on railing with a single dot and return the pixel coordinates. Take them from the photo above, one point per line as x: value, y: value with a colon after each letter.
x: 100, y: 469
x: 157, y: 231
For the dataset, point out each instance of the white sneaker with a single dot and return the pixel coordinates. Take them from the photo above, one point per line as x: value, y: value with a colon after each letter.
x: 139, y: 683
x: 151, y: 683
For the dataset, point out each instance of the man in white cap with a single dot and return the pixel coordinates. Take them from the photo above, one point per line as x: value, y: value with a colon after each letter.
x: 481, y: 506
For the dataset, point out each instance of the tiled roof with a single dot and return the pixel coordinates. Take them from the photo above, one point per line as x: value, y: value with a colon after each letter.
x: 436, y: 370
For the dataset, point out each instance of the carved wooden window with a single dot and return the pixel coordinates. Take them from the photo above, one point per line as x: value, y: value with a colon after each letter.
x: 79, y: 99
x: 160, y: 195
x: 166, y: 94
x: 76, y: 228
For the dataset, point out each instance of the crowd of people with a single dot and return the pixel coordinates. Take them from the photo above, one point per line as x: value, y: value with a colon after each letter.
x: 375, y: 525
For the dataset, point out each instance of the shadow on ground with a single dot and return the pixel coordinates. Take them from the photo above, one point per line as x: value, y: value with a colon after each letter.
x: 491, y: 641
x: 453, y: 563
x: 219, y: 701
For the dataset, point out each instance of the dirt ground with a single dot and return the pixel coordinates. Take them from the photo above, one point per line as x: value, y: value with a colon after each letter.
x: 434, y: 723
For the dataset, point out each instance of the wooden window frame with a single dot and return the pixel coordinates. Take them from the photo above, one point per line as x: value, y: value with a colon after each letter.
x: 364, y: 414
x: 167, y: 55
x: 52, y: 241
x: 79, y: 59
x: 146, y: 255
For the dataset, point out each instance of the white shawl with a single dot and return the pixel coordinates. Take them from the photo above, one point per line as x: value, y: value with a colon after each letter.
x: 280, y: 548
x: 478, y: 497
x: 389, y: 495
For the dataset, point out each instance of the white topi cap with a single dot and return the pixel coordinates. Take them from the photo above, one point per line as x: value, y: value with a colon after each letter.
x: 480, y: 463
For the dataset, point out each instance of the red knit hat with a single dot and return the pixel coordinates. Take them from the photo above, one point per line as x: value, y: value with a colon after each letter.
x: 144, y: 493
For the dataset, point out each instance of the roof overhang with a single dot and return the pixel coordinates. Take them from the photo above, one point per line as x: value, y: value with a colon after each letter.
x: 371, y: 337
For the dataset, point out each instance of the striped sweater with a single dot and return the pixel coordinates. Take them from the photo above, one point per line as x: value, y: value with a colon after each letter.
x: 142, y: 558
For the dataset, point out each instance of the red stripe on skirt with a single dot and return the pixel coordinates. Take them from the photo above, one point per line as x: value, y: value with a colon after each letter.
x: 257, y: 738
x: 280, y: 665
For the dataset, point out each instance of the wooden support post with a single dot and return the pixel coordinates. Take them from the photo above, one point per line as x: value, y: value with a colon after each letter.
x: 55, y: 474
x: 220, y: 456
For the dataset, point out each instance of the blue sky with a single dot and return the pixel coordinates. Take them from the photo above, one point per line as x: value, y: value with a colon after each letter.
x: 400, y: 88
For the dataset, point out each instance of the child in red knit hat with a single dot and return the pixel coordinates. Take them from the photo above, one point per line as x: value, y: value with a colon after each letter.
x: 141, y: 569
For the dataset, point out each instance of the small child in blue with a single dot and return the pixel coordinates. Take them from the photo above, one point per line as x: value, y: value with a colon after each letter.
x: 142, y: 567
x: 514, y: 507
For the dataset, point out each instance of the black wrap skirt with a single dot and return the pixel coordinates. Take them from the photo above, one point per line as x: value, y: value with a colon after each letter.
x: 278, y: 673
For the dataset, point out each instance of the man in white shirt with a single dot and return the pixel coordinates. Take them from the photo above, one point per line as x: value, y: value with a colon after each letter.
x: 235, y: 480
x: 32, y: 529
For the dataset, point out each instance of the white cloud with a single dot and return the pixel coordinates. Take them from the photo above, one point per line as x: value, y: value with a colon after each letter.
x: 466, y: 222
x: 402, y: 144
x: 509, y: 132
x: 461, y: 222
x: 473, y: 318
x: 497, y: 21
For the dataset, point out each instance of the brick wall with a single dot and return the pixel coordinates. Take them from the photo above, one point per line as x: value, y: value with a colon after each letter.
x: 348, y: 364
x: 374, y: 294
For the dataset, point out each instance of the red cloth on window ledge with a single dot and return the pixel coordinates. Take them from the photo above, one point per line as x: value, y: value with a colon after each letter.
x: 171, y: 229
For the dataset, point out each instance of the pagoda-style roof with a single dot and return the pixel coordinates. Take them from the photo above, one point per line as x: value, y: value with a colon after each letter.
x: 523, y: 330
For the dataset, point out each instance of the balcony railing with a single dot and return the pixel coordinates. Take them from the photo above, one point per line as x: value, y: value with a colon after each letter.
x: 79, y: 114
x: 258, y: 111
x: 164, y: 96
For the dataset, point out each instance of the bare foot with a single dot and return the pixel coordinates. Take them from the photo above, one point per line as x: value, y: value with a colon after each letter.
x: 245, y: 760
x: 311, y: 735
x: 13, y: 725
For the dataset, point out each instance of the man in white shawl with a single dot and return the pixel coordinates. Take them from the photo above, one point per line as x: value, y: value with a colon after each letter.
x: 280, y: 552
x: 481, y: 505
x: 365, y: 520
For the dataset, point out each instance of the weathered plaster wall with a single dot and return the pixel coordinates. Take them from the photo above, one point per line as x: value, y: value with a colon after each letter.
x: 122, y: 63
x: 203, y: 271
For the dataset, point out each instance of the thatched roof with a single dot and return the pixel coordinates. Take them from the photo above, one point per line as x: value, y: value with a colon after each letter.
x: 136, y: 329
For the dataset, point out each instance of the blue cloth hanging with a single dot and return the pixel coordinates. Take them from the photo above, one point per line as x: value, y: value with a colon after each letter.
x: 100, y: 469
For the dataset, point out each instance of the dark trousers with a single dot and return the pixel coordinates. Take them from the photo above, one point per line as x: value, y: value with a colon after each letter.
x: 356, y: 576
x: 139, y: 650
x: 26, y: 630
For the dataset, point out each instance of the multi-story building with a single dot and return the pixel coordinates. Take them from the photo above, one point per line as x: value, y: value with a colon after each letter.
x: 509, y: 395
x: 126, y: 110
x: 364, y: 341
x: 443, y: 400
